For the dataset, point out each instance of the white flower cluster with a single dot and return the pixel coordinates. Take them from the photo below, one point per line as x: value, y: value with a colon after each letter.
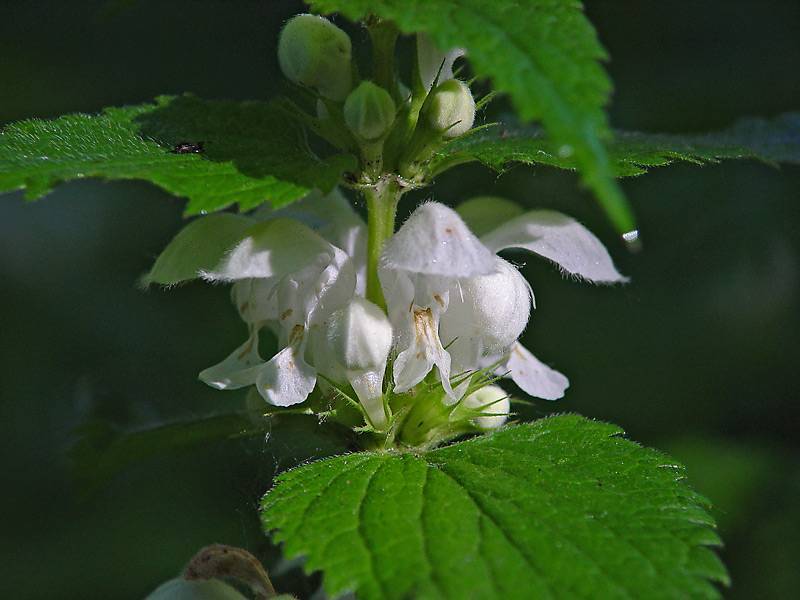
x: 453, y: 304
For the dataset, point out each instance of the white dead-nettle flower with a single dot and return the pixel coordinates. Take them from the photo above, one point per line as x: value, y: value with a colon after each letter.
x: 286, y: 277
x: 359, y: 339
x: 434, y: 265
x: 453, y: 304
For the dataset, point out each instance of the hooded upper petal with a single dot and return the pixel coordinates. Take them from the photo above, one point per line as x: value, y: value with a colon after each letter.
x: 273, y: 248
x: 332, y: 217
x: 435, y: 241
x: 560, y: 239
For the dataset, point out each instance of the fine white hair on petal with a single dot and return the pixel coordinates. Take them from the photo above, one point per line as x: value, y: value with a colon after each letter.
x: 273, y: 248
x: 333, y: 217
x: 532, y: 375
x: 558, y: 238
x: 435, y: 241
x: 490, y: 314
x: 238, y: 370
x: 430, y: 60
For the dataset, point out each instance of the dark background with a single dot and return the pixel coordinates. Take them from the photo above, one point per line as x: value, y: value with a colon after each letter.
x: 697, y: 356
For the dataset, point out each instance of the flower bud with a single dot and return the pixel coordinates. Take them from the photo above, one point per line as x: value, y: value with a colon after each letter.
x: 452, y: 108
x: 313, y: 52
x: 360, y: 338
x: 369, y: 111
x: 492, y: 400
x: 493, y: 309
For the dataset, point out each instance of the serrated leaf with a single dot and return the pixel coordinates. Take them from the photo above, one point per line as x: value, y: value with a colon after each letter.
x: 251, y: 153
x: 632, y: 153
x: 543, y: 53
x: 560, y: 508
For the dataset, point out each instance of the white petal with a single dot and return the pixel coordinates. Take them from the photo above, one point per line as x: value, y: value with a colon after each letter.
x: 238, y: 370
x: 532, y: 375
x: 334, y: 287
x: 360, y: 335
x: 435, y: 241
x: 425, y: 350
x: 199, y: 246
x: 287, y: 379
x: 320, y: 355
x: 430, y: 59
x: 560, y: 239
x: 255, y: 299
x: 368, y: 386
x: 331, y: 216
x: 271, y: 249
x: 491, y: 309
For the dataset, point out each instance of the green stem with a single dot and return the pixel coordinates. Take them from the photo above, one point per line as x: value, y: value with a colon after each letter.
x: 382, y: 202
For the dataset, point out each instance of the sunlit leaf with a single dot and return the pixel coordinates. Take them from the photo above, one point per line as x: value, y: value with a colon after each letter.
x: 564, y: 507
x: 236, y: 152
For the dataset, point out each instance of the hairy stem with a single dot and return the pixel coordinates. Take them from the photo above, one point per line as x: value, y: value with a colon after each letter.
x: 381, y: 210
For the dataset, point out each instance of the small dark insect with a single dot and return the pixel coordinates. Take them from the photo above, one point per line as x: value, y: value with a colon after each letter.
x: 188, y: 148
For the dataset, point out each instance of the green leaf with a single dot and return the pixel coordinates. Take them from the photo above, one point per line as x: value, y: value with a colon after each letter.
x: 770, y: 140
x: 543, y: 53
x: 252, y: 152
x: 563, y: 507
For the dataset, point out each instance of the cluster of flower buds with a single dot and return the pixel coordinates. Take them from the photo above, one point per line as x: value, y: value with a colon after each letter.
x: 315, y: 54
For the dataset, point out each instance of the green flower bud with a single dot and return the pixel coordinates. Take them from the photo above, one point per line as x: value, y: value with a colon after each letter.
x: 369, y: 111
x: 314, y: 52
x: 452, y: 108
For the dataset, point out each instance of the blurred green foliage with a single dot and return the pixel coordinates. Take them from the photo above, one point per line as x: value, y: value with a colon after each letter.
x: 698, y: 355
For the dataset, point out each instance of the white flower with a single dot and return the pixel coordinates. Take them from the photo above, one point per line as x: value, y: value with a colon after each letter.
x: 420, y: 265
x: 286, y: 277
x: 435, y: 263
x: 359, y: 338
x: 300, y: 272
